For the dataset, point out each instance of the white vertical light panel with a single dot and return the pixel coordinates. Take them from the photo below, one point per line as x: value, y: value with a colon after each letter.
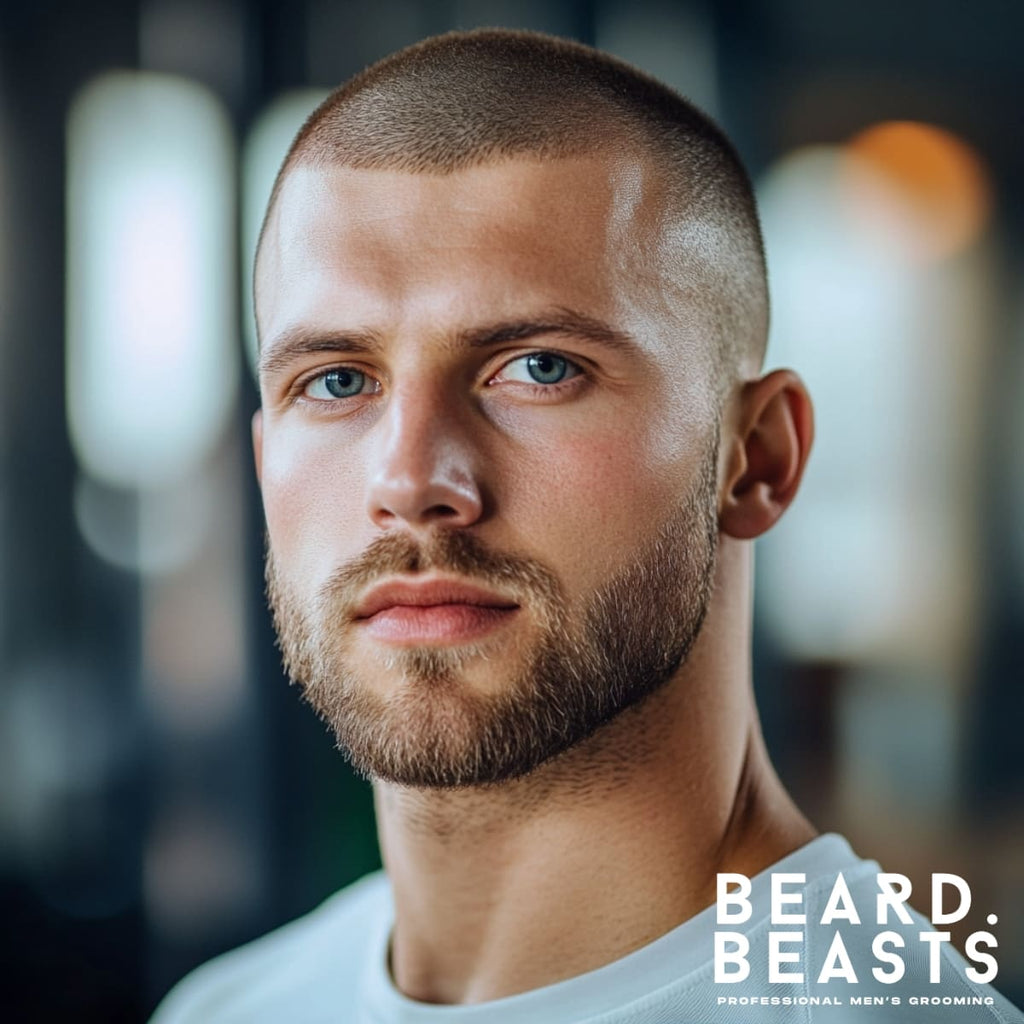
x: 151, y: 364
x: 265, y: 150
x: 874, y: 560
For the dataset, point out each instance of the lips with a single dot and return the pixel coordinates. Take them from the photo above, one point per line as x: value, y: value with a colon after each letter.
x: 434, y: 611
x: 426, y: 595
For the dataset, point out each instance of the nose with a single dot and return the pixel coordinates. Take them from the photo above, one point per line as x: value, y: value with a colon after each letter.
x: 424, y: 470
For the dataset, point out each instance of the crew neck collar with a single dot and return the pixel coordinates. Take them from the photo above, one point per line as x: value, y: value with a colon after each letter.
x: 638, y: 975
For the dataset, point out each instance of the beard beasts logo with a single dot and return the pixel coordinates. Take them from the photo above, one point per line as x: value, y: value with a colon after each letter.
x: 889, y: 930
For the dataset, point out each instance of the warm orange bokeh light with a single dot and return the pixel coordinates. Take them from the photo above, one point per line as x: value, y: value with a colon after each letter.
x: 923, y: 187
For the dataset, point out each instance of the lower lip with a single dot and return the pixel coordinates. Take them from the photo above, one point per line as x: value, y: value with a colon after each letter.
x: 436, y: 623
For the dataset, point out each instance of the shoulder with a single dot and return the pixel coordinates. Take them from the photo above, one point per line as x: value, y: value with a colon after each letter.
x: 830, y: 938
x: 893, y: 966
x: 317, y: 958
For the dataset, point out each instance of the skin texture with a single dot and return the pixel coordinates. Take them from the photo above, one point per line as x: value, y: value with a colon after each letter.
x: 503, y: 888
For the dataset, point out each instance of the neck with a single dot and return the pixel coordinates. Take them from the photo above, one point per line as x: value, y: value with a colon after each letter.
x: 507, y: 888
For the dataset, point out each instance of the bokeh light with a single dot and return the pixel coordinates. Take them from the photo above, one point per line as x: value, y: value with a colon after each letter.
x: 151, y: 363
x: 921, y: 186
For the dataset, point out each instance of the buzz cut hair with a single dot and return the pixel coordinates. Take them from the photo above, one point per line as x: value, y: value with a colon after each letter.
x: 464, y: 99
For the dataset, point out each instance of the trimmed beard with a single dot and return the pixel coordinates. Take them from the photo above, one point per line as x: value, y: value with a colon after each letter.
x: 436, y: 731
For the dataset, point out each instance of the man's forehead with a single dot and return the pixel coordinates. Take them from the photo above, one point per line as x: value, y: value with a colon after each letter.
x: 566, y: 218
x: 590, y: 189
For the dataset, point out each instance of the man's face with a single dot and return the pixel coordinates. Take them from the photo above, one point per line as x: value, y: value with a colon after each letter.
x: 487, y: 454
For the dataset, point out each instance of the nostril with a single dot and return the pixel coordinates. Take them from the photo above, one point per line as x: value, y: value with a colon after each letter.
x: 441, y: 512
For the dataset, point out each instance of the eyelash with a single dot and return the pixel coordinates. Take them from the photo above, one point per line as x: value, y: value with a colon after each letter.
x: 536, y: 389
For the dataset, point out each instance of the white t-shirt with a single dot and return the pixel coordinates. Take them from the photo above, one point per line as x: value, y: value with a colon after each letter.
x: 331, y: 966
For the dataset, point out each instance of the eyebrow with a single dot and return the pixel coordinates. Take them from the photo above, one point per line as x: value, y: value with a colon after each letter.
x: 563, y: 321
x: 302, y: 341
x: 299, y: 341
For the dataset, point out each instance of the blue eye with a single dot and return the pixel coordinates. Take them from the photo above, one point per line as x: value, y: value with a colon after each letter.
x: 546, y: 368
x: 540, y: 368
x: 343, y: 382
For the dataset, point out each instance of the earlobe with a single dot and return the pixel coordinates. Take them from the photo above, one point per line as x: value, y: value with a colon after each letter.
x: 770, y: 447
x: 257, y: 442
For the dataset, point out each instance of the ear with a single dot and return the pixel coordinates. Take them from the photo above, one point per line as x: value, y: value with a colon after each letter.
x: 257, y: 442
x: 772, y: 430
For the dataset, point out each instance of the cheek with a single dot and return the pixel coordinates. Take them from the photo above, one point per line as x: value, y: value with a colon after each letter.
x: 593, y: 495
x: 312, y: 500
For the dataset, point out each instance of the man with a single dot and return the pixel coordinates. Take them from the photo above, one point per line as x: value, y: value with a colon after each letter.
x: 514, y: 446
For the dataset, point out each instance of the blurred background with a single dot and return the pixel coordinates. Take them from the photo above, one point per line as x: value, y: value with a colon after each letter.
x: 163, y: 793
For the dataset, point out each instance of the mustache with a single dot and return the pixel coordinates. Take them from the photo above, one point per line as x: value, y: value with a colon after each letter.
x: 459, y: 553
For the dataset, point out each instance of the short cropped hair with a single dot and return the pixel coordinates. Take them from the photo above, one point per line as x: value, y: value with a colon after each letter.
x: 468, y: 98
